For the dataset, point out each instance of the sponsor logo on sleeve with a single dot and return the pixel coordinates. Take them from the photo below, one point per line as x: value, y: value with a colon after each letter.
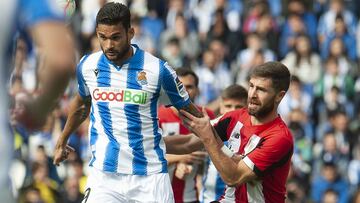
x: 180, y: 87
x: 128, y: 96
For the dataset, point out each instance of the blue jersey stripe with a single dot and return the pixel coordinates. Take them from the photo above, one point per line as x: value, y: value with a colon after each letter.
x: 219, y: 187
x: 80, y: 77
x: 93, y: 136
x: 172, y: 86
x: 157, y: 138
x: 133, y: 116
x: 112, y: 149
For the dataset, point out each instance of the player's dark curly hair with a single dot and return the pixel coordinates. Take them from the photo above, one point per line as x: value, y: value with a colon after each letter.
x: 113, y: 13
x: 276, y: 71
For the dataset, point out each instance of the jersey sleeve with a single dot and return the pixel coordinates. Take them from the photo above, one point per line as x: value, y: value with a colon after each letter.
x: 35, y: 11
x: 221, y: 125
x: 82, y: 87
x: 173, y: 86
x: 272, y: 151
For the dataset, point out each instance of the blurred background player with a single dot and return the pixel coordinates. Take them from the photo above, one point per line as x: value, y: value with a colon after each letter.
x: 183, y: 169
x: 232, y: 98
x: 43, y: 22
x: 121, y: 85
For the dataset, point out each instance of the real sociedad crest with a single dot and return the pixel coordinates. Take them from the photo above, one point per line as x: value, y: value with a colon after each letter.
x: 141, y: 78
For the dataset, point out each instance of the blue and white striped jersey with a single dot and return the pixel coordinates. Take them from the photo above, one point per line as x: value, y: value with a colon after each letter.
x: 213, y: 185
x: 124, y: 133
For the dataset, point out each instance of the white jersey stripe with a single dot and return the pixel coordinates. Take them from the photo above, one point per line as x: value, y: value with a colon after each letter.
x: 135, y: 133
x: 113, y: 147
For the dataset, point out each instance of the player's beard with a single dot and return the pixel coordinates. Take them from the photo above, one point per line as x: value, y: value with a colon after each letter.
x: 262, y: 111
x: 120, y: 54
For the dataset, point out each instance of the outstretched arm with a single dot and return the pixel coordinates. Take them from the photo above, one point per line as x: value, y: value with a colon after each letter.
x: 79, y: 111
x: 182, y: 144
x: 54, y: 42
x: 232, y: 171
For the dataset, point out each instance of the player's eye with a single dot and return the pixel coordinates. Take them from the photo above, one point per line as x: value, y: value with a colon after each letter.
x: 115, y: 37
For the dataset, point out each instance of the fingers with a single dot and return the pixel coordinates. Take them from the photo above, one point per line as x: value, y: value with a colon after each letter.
x: 62, y: 154
x: 187, y: 115
x: 204, y: 112
x: 70, y: 149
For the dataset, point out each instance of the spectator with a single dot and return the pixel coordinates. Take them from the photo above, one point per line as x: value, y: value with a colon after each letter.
x: 303, y: 62
x: 327, y: 20
x: 340, y: 32
x: 329, y: 179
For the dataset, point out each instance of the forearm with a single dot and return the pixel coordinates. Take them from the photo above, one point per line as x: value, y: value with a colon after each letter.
x: 225, y: 165
x: 78, y: 114
x: 192, y: 109
x: 173, y: 159
x: 182, y: 144
x: 56, y: 47
x: 228, y: 167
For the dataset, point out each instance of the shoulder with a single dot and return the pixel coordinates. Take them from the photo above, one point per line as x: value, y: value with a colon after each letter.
x: 90, y: 58
x: 238, y: 113
x: 279, y: 132
x: 234, y: 116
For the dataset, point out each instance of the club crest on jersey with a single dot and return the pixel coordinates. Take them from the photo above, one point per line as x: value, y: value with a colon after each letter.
x: 180, y: 87
x: 141, y: 78
x: 96, y: 71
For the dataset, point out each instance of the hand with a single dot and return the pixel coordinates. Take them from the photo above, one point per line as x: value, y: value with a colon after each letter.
x: 200, y: 126
x: 25, y: 113
x: 61, y: 154
x: 182, y: 170
x: 194, y: 157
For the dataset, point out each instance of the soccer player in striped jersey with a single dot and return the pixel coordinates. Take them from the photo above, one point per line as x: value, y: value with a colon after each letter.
x: 213, y: 187
x: 258, y: 135
x: 119, y: 87
x: 44, y: 23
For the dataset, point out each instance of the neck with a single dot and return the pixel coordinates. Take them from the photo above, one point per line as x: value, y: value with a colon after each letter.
x: 264, y: 119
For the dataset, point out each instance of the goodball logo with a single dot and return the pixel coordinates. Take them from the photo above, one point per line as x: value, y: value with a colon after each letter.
x: 119, y: 95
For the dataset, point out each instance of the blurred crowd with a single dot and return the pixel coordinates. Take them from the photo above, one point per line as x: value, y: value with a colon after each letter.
x: 221, y: 40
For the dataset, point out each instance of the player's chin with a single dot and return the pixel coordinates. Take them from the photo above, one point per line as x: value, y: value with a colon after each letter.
x: 112, y: 56
x: 253, y: 111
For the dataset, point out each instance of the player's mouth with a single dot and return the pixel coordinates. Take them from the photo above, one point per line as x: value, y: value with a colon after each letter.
x: 111, y: 54
x: 254, y: 104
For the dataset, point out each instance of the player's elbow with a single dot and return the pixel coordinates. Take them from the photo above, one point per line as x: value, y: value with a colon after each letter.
x: 236, y: 179
x: 231, y: 181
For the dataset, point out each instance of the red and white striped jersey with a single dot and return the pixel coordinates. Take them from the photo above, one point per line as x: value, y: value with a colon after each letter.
x: 267, y: 149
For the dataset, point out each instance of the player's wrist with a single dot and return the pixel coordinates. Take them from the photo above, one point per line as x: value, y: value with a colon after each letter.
x: 227, y: 151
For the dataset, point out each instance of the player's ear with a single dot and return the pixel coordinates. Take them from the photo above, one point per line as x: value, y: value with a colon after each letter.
x: 279, y: 96
x: 131, y: 33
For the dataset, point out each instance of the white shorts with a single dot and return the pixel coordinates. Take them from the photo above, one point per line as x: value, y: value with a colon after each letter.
x: 113, y: 187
